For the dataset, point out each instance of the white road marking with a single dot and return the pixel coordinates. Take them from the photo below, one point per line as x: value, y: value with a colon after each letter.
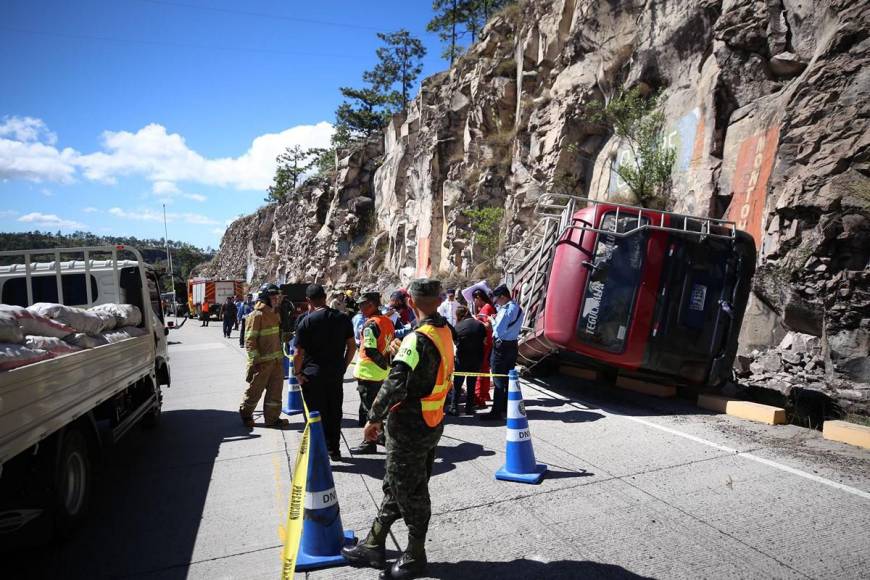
x: 725, y: 448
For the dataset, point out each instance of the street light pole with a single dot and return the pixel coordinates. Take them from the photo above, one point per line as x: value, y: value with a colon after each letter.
x: 169, y: 259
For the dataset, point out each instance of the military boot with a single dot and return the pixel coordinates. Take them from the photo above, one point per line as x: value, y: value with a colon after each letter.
x: 371, y: 552
x: 411, y: 564
x: 365, y: 448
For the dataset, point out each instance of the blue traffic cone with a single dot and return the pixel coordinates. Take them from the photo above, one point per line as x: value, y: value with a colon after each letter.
x: 520, y: 465
x: 294, y: 392
x: 287, y: 360
x: 322, y: 534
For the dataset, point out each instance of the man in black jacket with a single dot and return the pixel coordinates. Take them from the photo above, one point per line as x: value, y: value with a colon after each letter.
x: 470, y: 337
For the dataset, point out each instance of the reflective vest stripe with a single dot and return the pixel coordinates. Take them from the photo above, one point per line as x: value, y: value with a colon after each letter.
x: 432, y: 405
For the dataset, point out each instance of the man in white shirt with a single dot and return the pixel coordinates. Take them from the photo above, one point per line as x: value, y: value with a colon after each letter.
x: 449, y: 306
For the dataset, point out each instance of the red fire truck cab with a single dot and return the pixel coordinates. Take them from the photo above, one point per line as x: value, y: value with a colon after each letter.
x: 652, y: 293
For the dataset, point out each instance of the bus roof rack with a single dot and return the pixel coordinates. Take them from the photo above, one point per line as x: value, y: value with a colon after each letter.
x: 677, y: 223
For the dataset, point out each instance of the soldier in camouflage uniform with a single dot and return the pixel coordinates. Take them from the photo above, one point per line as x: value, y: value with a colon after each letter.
x: 411, y: 401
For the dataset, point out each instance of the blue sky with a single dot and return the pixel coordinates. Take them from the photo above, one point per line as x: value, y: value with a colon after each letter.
x: 109, y: 109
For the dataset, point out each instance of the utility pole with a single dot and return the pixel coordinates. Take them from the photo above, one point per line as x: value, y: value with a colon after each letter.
x: 169, y: 259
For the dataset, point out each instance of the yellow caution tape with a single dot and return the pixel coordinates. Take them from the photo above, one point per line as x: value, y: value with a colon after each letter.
x: 470, y: 374
x: 297, y: 505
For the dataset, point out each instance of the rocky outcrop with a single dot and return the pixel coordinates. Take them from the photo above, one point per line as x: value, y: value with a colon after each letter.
x: 766, y: 107
x: 314, y: 236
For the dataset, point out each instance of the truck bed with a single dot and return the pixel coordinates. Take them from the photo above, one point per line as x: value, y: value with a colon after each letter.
x: 38, y: 399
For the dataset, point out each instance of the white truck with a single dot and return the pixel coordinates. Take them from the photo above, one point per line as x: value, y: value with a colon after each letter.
x: 57, y: 415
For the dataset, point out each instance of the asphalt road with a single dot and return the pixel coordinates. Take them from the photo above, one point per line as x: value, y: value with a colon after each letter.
x: 637, y: 488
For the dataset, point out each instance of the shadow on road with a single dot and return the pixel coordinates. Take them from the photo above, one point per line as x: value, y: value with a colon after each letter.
x: 523, y: 569
x: 147, y: 505
x: 446, y: 458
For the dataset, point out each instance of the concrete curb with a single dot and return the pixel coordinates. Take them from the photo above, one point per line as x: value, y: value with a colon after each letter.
x: 767, y: 414
x: 845, y: 432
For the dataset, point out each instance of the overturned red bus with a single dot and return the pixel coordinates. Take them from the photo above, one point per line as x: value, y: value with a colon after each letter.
x: 656, y: 294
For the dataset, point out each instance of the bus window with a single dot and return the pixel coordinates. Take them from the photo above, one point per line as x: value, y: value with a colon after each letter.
x: 612, y: 284
x: 45, y: 290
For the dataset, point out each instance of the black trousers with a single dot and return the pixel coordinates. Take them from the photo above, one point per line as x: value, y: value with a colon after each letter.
x: 503, y: 359
x: 367, y: 390
x: 228, y: 326
x: 464, y: 364
x: 325, y: 394
x: 242, y: 333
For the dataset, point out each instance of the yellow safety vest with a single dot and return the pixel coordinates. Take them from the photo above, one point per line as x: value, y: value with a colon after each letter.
x: 433, y: 404
x: 366, y: 368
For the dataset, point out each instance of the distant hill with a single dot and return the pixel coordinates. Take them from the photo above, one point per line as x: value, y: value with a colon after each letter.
x: 185, y: 257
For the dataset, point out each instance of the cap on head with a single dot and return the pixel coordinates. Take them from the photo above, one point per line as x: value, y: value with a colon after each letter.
x: 425, y: 288
x: 501, y: 290
x: 372, y: 296
x: 315, y: 292
x: 451, y: 292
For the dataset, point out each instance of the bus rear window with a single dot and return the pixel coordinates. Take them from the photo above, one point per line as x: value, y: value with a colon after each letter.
x: 45, y: 290
x: 612, y: 284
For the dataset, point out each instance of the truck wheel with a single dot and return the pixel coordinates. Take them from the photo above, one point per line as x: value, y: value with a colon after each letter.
x: 72, y: 481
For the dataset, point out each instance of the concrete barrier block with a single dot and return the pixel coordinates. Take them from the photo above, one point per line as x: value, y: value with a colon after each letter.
x: 846, y: 432
x: 743, y: 409
x: 645, y: 387
x: 580, y: 373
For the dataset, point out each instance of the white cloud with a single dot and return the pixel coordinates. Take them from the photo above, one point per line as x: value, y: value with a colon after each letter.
x: 218, y: 231
x: 8, y: 213
x: 50, y: 220
x: 165, y: 158
x: 28, y: 152
x: 47, y: 192
x: 155, y: 216
x: 195, y: 196
x: 90, y: 210
x: 164, y: 187
x: 26, y: 130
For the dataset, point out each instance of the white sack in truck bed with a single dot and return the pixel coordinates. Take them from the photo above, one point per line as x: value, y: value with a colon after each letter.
x: 34, y: 324
x: 53, y: 345
x: 81, y: 320
x: 10, y: 330
x: 15, y: 355
x: 123, y: 333
x: 124, y: 314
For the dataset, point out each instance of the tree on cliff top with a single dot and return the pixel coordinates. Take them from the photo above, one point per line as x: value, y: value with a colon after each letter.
x: 361, y: 116
x: 639, y: 122
x: 400, y: 64
x: 292, y: 163
x: 457, y: 18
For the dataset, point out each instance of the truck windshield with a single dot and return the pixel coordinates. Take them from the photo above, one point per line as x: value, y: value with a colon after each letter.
x: 612, y: 283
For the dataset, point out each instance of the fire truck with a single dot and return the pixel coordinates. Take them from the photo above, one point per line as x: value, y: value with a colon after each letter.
x: 212, y: 292
x: 646, y: 293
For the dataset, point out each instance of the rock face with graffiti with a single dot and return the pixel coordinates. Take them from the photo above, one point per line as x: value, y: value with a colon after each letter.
x: 766, y: 107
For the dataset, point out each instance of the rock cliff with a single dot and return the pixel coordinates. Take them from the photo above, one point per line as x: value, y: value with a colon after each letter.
x: 766, y: 107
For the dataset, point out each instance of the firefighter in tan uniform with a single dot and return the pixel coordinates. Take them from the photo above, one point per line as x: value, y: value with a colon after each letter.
x: 265, y: 368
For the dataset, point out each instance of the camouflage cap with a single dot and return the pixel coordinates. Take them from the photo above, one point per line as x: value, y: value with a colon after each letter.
x: 425, y: 288
x: 369, y: 296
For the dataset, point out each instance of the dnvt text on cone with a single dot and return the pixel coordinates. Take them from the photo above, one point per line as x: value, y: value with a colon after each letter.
x: 520, y: 464
x: 322, y: 532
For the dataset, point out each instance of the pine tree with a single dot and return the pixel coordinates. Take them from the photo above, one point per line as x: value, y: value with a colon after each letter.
x: 292, y: 163
x: 400, y: 64
x: 361, y: 116
x: 457, y: 18
x: 445, y: 24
